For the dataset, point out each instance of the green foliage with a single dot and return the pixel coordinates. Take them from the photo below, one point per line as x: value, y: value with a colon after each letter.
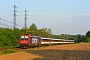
x: 45, y: 32
x: 56, y: 36
x: 50, y: 44
x: 88, y: 33
x: 33, y: 30
x: 9, y: 37
x: 78, y: 37
x: 88, y: 36
x: 9, y: 51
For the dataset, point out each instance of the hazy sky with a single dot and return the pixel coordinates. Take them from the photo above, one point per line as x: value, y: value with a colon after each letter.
x: 62, y: 16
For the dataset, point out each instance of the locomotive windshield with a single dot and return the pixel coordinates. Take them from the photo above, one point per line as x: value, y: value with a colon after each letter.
x: 24, y: 37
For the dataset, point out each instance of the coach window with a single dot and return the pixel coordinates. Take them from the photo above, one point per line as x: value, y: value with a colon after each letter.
x: 56, y: 40
x: 61, y: 40
x: 46, y: 40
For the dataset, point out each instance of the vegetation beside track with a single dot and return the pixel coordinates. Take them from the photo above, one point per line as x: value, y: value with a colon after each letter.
x: 7, y: 51
x: 10, y: 38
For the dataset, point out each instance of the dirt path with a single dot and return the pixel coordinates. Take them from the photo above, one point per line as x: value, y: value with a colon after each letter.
x: 61, y: 52
x: 19, y: 56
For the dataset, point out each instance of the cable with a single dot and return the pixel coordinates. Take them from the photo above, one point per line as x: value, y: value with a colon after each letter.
x: 57, y: 5
x: 61, y: 14
x: 5, y: 25
x: 58, y: 10
x: 11, y: 22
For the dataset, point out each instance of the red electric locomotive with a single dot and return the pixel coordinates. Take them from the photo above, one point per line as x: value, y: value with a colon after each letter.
x: 27, y: 41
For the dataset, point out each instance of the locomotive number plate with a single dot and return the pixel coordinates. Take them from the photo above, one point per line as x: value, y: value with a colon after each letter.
x: 34, y: 40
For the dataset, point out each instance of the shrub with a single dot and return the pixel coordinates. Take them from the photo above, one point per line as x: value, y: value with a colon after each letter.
x: 9, y: 51
x: 50, y: 44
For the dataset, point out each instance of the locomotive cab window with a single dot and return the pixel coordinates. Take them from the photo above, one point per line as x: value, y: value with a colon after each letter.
x: 24, y: 38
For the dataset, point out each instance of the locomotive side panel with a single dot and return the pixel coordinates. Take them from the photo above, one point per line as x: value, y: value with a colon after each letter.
x: 35, y: 41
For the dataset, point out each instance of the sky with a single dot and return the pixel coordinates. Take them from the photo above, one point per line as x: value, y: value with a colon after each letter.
x: 61, y: 16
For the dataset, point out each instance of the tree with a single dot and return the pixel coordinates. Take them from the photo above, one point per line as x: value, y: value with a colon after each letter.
x: 33, y: 30
x: 49, y: 33
x: 88, y: 36
x: 42, y: 32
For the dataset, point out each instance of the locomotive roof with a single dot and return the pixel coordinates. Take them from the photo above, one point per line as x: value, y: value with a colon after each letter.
x: 35, y: 36
x: 58, y: 39
x: 46, y: 38
x: 25, y: 34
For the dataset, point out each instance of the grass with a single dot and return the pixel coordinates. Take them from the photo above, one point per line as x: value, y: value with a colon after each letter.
x: 8, y: 51
x: 8, y: 47
x: 35, y: 48
x: 83, y: 43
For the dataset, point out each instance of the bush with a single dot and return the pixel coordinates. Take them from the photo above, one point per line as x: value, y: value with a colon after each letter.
x: 9, y: 51
x: 50, y: 44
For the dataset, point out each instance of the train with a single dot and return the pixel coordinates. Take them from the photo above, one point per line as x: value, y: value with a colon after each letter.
x: 27, y: 41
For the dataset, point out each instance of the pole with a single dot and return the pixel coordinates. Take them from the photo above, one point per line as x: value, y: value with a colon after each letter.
x: 14, y: 26
x: 25, y: 21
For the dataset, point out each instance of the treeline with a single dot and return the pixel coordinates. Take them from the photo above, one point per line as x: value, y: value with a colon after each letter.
x: 78, y: 37
x: 45, y: 32
x: 9, y: 37
x: 88, y: 36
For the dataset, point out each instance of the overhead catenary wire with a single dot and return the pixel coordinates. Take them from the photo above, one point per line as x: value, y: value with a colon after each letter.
x: 11, y: 22
x: 70, y: 4
x: 50, y: 14
x: 3, y: 24
x: 57, y: 10
x: 59, y: 14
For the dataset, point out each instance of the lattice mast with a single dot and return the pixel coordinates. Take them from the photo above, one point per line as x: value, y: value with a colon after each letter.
x: 14, y: 23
